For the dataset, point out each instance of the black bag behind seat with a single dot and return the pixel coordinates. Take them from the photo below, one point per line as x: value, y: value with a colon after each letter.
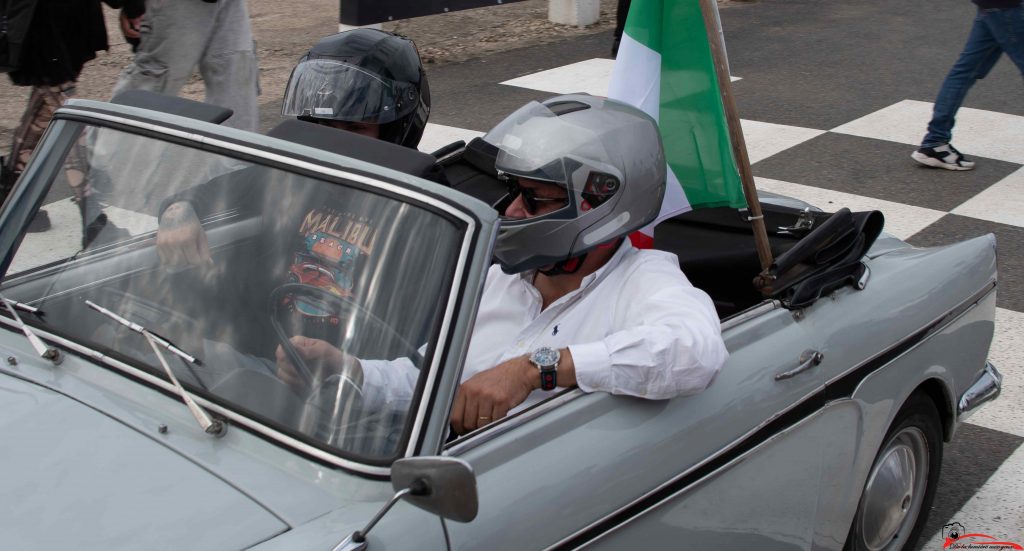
x: 717, y: 253
x: 470, y: 169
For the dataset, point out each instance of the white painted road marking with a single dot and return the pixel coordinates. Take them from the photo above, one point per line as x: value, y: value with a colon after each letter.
x: 590, y: 76
x: 765, y: 139
x: 901, y: 220
x: 1002, y: 202
x: 64, y: 238
x: 436, y: 136
x: 978, y: 132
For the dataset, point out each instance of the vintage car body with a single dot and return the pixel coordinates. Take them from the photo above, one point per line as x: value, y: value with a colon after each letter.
x: 101, y: 453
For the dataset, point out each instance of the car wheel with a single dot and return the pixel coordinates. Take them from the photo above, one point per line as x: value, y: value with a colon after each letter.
x: 901, y: 485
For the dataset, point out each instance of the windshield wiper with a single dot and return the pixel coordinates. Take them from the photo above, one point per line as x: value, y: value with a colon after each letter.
x: 142, y: 330
x: 209, y: 426
x: 46, y: 352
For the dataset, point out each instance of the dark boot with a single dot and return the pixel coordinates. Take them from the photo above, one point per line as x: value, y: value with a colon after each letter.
x: 8, y: 177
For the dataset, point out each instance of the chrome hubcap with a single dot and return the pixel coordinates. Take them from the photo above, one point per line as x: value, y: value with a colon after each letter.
x: 895, y: 489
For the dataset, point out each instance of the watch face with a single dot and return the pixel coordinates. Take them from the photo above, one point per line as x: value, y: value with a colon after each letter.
x: 545, y: 357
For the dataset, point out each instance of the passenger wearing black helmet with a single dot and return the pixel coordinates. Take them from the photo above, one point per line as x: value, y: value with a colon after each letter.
x: 365, y: 81
x: 571, y: 302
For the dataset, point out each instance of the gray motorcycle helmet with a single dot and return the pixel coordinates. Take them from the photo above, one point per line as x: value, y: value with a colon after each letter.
x: 608, y: 156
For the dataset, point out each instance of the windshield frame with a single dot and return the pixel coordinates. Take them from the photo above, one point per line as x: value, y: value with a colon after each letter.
x: 321, y: 165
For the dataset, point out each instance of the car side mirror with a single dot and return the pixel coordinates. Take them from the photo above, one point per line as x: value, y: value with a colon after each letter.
x: 445, y: 486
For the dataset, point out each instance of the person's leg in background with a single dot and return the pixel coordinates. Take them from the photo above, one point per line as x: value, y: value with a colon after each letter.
x: 43, y: 102
x: 175, y: 35
x: 620, y: 24
x: 229, y: 66
x: 980, y: 54
x: 1007, y: 25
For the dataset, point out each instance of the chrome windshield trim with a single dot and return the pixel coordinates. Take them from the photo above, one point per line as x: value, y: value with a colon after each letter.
x: 442, y: 342
x: 283, y: 159
x: 426, y: 399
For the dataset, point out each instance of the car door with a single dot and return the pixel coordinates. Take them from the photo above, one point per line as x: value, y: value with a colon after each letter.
x: 732, y: 466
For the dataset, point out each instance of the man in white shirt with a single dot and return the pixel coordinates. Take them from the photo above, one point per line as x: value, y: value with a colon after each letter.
x: 571, y: 302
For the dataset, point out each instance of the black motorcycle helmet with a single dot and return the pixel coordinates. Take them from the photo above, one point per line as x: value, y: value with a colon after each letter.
x: 362, y: 76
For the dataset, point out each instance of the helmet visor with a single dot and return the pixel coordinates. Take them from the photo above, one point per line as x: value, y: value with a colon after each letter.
x: 331, y: 89
x: 536, y: 143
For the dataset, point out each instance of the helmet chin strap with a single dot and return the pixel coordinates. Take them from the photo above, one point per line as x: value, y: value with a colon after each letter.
x: 570, y: 266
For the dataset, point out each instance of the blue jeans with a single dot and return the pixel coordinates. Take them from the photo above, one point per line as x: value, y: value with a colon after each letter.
x: 995, y: 31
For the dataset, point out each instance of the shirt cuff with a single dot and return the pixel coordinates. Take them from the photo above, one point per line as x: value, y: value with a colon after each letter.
x: 371, y: 372
x: 373, y: 382
x: 592, y: 363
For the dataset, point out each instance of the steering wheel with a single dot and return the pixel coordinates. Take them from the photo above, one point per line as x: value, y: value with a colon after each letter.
x: 335, y: 306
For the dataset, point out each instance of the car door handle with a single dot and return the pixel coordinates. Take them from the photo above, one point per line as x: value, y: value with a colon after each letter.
x: 808, y: 359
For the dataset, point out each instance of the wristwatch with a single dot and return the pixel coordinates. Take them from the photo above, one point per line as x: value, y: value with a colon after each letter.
x: 546, y: 360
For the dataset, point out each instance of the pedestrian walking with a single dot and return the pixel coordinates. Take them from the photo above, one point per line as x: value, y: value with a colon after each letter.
x: 177, y: 36
x: 622, y: 10
x: 61, y: 36
x: 998, y: 28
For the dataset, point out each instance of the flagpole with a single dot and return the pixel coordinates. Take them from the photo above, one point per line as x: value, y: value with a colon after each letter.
x: 739, y: 145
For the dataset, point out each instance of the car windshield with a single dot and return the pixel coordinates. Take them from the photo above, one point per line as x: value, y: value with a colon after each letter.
x: 281, y: 283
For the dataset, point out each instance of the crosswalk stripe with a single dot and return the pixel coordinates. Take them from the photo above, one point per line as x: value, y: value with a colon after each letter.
x: 765, y: 139
x: 436, y: 136
x: 901, y: 220
x: 1002, y: 202
x: 590, y: 76
x: 64, y: 238
x: 978, y: 132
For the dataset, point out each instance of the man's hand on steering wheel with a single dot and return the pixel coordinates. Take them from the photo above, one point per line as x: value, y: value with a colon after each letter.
x: 180, y: 239
x: 322, y: 359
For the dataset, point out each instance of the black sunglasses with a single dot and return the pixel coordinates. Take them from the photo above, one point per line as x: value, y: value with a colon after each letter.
x: 530, y: 199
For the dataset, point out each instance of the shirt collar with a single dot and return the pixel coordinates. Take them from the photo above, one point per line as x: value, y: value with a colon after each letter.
x: 625, y: 248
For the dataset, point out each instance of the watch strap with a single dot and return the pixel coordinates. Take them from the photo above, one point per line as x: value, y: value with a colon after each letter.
x: 548, y: 377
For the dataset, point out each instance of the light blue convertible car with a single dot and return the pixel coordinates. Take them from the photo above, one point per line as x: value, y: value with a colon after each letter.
x: 140, y: 406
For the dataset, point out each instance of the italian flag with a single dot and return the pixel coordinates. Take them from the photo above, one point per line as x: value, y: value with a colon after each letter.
x: 665, y: 68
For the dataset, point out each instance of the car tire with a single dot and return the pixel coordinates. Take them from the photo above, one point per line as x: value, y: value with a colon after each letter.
x: 898, y: 493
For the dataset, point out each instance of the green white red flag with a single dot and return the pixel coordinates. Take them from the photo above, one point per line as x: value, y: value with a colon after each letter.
x: 664, y: 67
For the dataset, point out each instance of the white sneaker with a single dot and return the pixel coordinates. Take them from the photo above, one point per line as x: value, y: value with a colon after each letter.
x: 944, y: 156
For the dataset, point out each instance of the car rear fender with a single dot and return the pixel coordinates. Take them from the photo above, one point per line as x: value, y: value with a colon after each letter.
x: 924, y: 323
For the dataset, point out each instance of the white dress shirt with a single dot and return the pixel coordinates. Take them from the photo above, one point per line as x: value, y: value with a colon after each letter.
x: 636, y: 326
